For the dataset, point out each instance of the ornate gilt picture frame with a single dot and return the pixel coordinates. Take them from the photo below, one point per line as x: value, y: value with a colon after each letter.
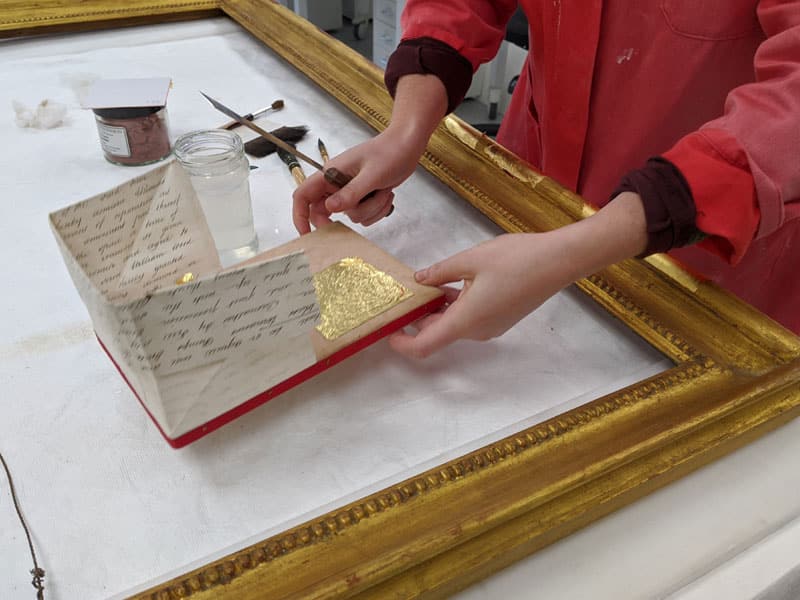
x: 736, y: 373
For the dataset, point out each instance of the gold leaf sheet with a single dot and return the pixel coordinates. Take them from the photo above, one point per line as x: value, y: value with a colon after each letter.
x: 351, y: 292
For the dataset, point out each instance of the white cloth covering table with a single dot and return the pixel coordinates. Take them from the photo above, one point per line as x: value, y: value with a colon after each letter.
x: 111, y: 506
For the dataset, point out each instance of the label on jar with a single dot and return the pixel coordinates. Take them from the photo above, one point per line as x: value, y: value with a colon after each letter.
x: 114, y: 140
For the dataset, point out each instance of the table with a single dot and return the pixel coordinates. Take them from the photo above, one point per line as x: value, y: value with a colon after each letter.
x: 112, y: 507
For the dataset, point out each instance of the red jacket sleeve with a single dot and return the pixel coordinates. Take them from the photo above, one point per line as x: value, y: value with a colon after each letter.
x: 474, y: 28
x: 743, y: 167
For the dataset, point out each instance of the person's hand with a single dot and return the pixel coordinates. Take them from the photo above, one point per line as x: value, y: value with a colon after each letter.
x: 504, y: 280
x: 377, y: 165
x: 510, y: 276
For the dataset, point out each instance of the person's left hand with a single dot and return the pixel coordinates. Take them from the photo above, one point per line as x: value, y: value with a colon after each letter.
x: 504, y: 280
x: 510, y: 276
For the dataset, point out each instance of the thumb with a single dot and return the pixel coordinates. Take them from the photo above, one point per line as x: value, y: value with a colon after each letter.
x: 350, y: 195
x: 452, y: 269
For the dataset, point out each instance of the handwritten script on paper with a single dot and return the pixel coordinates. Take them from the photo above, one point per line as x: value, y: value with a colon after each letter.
x: 139, y: 236
x: 126, y: 249
x: 199, y: 323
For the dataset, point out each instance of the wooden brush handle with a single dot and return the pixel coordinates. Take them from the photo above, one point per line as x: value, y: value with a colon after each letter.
x: 298, y: 174
x: 339, y: 179
x: 336, y: 177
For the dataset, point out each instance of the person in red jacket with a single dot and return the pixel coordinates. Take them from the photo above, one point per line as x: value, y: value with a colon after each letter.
x: 680, y: 119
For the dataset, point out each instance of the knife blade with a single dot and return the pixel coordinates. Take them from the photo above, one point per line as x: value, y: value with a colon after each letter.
x: 332, y: 175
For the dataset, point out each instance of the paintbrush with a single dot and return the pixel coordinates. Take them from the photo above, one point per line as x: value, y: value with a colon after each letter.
x: 260, y: 147
x: 323, y: 151
x: 277, y: 105
x: 332, y: 175
x: 294, y: 165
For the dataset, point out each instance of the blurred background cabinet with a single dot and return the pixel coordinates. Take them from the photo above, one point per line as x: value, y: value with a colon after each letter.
x: 491, y: 87
x: 386, y: 30
x: 325, y: 14
x: 359, y: 13
x: 386, y: 34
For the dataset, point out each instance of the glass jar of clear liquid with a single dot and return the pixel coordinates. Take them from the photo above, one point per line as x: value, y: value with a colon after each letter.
x: 219, y: 172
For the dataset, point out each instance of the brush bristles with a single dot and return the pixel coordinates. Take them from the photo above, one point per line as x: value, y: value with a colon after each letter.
x: 260, y: 147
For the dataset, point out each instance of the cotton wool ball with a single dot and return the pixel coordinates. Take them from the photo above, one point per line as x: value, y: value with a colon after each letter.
x: 48, y: 114
x: 24, y: 115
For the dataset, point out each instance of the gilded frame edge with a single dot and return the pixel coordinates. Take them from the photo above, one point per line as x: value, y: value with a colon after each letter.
x: 737, y: 375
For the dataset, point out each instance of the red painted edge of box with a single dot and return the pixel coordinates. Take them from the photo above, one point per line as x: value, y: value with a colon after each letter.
x: 287, y: 384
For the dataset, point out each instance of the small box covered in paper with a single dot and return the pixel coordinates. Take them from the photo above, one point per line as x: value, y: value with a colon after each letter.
x: 190, y: 351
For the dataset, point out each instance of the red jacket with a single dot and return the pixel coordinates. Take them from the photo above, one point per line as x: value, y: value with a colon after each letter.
x: 713, y: 86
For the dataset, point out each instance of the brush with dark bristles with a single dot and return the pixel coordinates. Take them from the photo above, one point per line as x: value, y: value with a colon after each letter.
x: 277, y: 105
x: 260, y: 147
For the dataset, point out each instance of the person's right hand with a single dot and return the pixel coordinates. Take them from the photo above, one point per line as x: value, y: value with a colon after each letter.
x: 377, y: 165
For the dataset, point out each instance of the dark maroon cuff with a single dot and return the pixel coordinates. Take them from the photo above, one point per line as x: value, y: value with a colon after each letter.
x: 430, y: 56
x: 668, y: 205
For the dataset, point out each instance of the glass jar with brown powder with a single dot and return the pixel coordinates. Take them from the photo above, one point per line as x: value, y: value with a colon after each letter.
x: 133, y: 136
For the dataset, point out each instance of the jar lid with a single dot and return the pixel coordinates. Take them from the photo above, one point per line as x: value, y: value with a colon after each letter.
x: 127, y: 98
x: 128, y: 112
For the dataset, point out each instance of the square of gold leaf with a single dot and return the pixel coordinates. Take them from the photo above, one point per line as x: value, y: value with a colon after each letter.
x: 351, y: 292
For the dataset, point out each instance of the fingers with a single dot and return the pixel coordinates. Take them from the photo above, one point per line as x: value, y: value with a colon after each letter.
x: 308, y: 203
x: 347, y: 198
x: 316, y: 199
x: 372, y: 210
x: 436, y: 331
x: 455, y: 268
x: 319, y: 216
x: 451, y: 293
x: 428, y: 319
x: 375, y: 166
